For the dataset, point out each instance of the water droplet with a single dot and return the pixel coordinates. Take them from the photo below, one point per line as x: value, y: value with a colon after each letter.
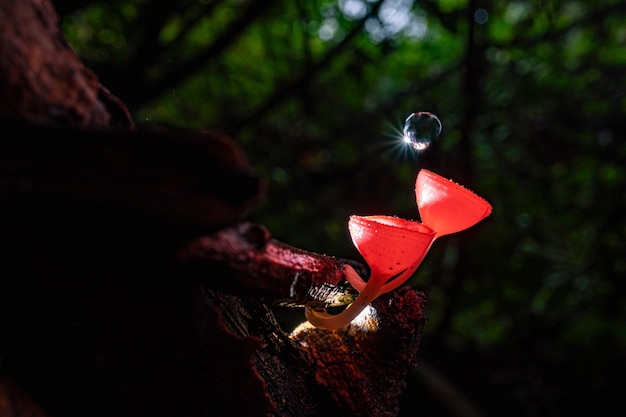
x: 420, y: 130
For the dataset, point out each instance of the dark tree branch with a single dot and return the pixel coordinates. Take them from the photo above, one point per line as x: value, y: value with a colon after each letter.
x: 270, y: 270
x: 146, y: 33
x: 89, y: 221
x: 592, y: 18
x: 193, y: 182
x: 152, y: 16
x: 254, y: 11
x: 300, y: 80
x: 132, y: 284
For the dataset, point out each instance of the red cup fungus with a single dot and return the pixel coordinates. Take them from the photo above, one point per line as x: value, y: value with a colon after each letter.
x: 394, y: 247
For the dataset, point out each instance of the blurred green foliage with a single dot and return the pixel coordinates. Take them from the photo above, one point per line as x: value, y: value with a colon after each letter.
x: 527, y: 309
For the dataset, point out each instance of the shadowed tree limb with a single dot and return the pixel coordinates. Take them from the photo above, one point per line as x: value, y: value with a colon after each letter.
x: 296, y: 83
x: 116, y: 244
x: 131, y: 286
x: 253, y: 11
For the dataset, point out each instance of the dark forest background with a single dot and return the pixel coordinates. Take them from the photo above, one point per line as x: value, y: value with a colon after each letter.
x: 527, y: 315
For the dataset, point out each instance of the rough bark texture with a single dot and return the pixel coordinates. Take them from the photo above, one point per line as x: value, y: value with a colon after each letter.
x: 42, y: 79
x: 131, y: 283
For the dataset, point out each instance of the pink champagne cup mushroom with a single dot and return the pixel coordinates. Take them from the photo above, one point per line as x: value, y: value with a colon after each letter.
x: 394, y: 247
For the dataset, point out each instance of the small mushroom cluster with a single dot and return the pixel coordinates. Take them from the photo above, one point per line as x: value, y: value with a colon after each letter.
x: 394, y: 247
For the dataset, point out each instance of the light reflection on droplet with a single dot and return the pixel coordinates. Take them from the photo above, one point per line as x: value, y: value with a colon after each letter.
x: 420, y: 130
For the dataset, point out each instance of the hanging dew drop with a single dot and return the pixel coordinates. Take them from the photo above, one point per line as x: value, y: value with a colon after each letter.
x: 421, y: 130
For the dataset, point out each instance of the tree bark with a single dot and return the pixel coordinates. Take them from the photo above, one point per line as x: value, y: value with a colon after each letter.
x: 132, y: 283
x: 42, y: 79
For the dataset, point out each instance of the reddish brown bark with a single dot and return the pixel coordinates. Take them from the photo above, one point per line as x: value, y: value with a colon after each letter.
x: 42, y: 79
x: 132, y: 283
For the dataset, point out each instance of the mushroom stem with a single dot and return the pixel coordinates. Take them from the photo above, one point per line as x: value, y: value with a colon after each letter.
x: 394, y: 247
x: 354, y: 278
x: 328, y: 321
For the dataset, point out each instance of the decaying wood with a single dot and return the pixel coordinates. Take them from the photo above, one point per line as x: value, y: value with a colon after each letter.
x: 356, y: 371
x: 132, y: 283
x: 195, y: 182
x: 274, y: 271
x: 364, y: 366
x: 106, y: 280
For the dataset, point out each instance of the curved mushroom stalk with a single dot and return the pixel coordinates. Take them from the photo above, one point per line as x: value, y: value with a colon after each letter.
x: 324, y: 320
x: 394, y: 248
